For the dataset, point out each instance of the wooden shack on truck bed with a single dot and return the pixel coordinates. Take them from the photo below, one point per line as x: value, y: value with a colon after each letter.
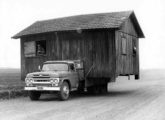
x: 108, y: 43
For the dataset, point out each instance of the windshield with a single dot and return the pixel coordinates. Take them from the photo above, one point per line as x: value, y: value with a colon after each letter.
x: 55, y: 67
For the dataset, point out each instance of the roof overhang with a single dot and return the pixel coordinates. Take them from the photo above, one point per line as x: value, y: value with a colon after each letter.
x: 137, y: 26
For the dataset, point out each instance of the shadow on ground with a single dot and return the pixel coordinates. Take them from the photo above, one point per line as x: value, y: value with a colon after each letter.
x: 76, y: 95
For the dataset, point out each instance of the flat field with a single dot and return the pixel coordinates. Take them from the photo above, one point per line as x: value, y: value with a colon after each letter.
x: 10, y: 78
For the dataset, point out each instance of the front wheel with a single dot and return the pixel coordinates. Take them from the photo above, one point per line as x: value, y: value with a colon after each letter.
x: 34, y: 95
x: 64, y: 91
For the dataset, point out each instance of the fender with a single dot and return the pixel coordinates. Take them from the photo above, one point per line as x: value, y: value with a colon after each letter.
x: 69, y: 82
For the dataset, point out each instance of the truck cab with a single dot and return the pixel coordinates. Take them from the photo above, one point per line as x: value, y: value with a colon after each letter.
x: 60, y: 77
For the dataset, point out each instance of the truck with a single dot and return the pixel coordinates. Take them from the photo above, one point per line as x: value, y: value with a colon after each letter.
x: 61, y: 77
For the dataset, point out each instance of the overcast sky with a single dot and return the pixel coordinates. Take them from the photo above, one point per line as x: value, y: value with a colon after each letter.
x: 15, y: 15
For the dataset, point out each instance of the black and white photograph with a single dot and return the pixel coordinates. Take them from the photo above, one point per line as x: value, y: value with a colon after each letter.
x: 82, y: 60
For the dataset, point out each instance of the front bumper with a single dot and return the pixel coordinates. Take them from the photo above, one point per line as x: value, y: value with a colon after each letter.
x: 42, y: 88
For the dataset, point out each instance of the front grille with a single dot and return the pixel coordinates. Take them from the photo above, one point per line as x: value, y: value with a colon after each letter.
x: 43, y: 85
x: 41, y: 76
x: 41, y: 80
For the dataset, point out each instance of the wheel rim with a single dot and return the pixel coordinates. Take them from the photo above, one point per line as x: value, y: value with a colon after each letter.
x: 65, y: 91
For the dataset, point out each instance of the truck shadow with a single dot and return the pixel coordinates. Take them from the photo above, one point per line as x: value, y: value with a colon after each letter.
x: 49, y: 97
x: 76, y: 95
x: 121, y: 93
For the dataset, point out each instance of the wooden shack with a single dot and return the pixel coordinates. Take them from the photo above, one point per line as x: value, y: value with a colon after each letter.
x: 106, y: 42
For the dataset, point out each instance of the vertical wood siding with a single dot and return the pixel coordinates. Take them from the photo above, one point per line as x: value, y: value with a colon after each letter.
x: 128, y: 63
x: 95, y: 47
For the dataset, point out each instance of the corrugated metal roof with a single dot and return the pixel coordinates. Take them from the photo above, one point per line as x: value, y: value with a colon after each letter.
x: 90, y: 21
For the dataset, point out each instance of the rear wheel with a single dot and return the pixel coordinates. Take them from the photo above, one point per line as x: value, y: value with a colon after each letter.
x: 93, y: 89
x: 64, y: 91
x: 34, y: 95
x: 81, y: 87
x: 103, y: 88
x: 98, y: 89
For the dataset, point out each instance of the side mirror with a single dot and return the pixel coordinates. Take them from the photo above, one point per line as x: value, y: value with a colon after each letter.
x: 79, y: 65
x: 39, y: 68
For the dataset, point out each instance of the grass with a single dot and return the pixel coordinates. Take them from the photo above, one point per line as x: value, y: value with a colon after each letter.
x: 10, y: 79
x: 11, y: 85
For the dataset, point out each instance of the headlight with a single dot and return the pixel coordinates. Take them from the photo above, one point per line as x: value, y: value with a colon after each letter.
x: 29, y: 81
x: 54, y: 80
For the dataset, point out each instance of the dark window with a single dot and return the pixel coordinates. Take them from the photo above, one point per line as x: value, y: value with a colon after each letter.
x: 124, y: 45
x: 33, y: 48
x: 72, y: 67
x: 29, y: 49
x: 41, y: 47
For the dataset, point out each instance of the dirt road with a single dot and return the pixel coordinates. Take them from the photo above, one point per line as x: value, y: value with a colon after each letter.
x: 126, y: 100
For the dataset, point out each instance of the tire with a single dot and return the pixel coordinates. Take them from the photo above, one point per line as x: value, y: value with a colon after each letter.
x: 34, y: 95
x: 98, y: 89
x: 104, y: 89
x: 93, y: 90
x: 64, y: 92
x: 81, y: 87
x: 90, y: 90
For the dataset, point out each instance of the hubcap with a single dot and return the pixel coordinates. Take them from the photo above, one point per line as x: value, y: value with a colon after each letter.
x: 66, y: 90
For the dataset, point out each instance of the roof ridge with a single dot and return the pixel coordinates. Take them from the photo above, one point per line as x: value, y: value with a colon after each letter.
x: 78, y: 15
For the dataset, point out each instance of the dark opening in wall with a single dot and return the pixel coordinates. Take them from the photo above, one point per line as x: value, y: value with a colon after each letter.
x: 41, y: 47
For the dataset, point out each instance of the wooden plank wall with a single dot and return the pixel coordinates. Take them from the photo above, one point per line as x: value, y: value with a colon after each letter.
x: 128, y: 63
x: 95, y: 47
x: 91, y: 46
x: 124, y: 61
x: 136, y: 58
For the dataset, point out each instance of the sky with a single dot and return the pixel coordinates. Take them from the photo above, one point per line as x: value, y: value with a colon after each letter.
x: 15, y: 15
